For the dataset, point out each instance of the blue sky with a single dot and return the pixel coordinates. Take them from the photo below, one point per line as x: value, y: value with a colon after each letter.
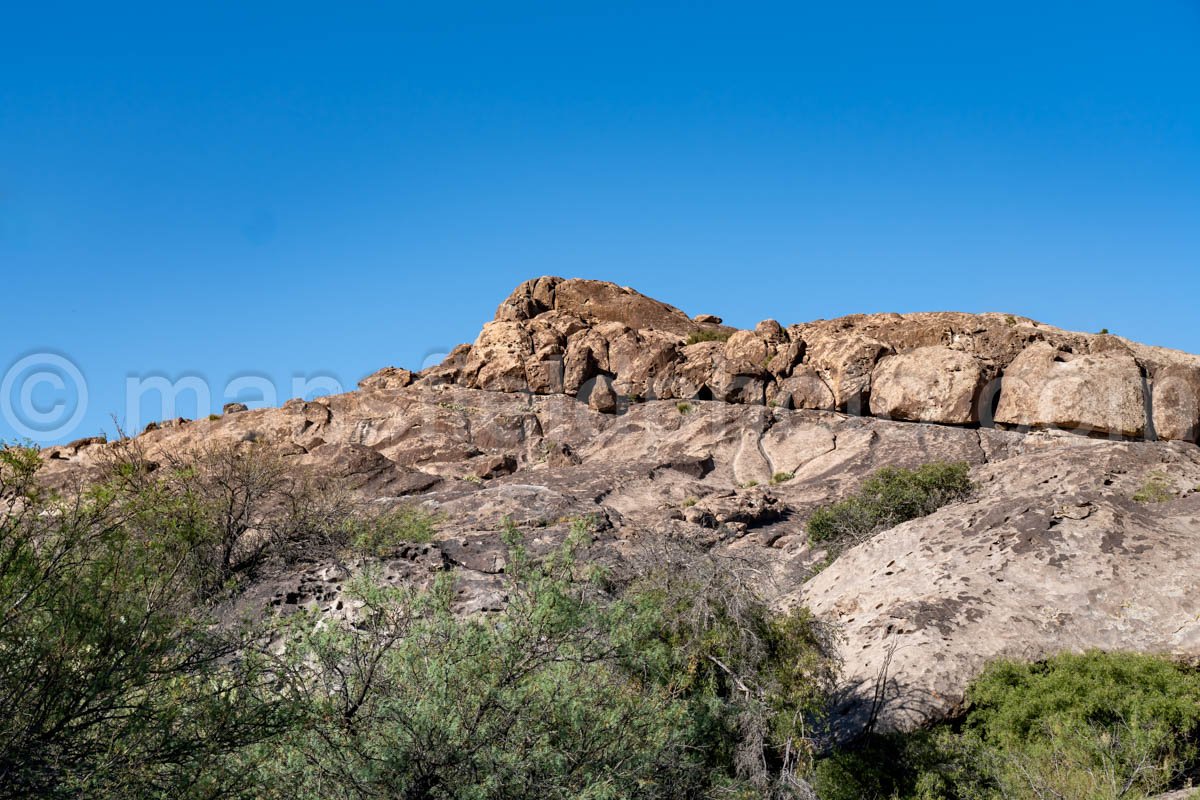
x: 282, y: 190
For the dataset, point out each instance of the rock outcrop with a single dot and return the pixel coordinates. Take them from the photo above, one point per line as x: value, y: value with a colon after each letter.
x: 929, y: 384
x: 583, y: 398
x: 555, y: 336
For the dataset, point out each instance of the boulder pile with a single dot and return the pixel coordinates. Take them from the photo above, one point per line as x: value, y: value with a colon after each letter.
x: 609, y: 345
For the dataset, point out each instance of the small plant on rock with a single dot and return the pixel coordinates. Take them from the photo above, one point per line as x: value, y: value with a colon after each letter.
x: 708, y: 336
x: 782, y: 477
x: 1156, y: 489
x: 890, y: 496
x: 382, y: 534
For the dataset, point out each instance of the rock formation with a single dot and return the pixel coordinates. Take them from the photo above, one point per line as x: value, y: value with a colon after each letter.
x: 584, y: 398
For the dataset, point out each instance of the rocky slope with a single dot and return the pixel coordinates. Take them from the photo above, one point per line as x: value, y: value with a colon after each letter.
x: 584, y: 398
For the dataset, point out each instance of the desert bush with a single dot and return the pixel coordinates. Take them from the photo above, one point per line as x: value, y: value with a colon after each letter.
x: 113, y: 682
x: 1096, y: 726
x: 587, y: 685
x: 1155, y: 489
x: 382, y: 533
x: 708, y: 336
x: 890, y: 496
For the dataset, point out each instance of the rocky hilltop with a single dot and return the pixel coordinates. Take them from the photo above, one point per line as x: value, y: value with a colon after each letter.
x: 585, y: 398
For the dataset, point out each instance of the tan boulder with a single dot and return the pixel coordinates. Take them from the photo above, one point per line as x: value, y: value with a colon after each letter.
x: 386, y: 378
x: 594, y: 302
x: 1048, y: 388
x: 771, y: 330
x: 694, y: 374
x: 587, y: 354
x: 602, y: 398
x: 846, y: 363
x: 1176, y: 402
x: 929, y: 384
x: 746, y: 353
x: 804, y: 388
x: 740, y: 389
x: 653, y: 361
x: 603, y: 301
x: 544, y: 375
x: 497, y: 359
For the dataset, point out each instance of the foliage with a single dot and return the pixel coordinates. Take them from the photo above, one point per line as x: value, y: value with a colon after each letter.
x: 112, y: 682
x: 1156, y: 489
x: 573, y: 691
x: 381, y: 534
x: 683, y: 407
x: 1096, y: 726
x: 708, y: 336
x: 890, y: 496
x: 1089, y: 726
x: 782, y: 477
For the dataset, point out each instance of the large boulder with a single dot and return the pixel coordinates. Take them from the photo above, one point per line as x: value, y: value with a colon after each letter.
x: 498, y: 357
x: 929, y: 384
x: 804, y: 388
x: 845, y: 363
x: 1176, y: 402
x: 597, y: 301
x: 1045, y: 387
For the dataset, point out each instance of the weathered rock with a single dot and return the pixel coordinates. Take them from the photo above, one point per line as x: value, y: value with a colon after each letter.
x: 234, y: 408
x: 746, y: 353
x: 846, y: 364
x: 387, y: 378
x: 492, y: 466
x: 498, y: 357
x: 1049, y: 388
x: 805, y: 388
x: 929, y: 384
x: 602, y: 398
x: 1050, y: 556
x: 1176, y: 402
x: 595, y: 301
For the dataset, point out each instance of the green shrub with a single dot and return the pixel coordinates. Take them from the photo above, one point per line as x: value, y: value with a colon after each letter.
x: 782, y: 477
x: 1097, y: 726
x: 890, y: 496
x: 683, y: 407
x: 1156, y: 489
x: 384, y: 533
x: 708, y: 336
x: 113, y: 680
x: 649, y: 687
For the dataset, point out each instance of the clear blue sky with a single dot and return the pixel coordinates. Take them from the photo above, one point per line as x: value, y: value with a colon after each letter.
x: 296, y: 188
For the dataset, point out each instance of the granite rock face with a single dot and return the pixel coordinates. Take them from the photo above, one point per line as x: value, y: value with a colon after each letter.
x: 583, y: 398
x: 929, y: 384
x: 555, y: 336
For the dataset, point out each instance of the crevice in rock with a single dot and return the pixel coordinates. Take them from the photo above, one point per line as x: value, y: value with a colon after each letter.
x: 1148, y: 403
